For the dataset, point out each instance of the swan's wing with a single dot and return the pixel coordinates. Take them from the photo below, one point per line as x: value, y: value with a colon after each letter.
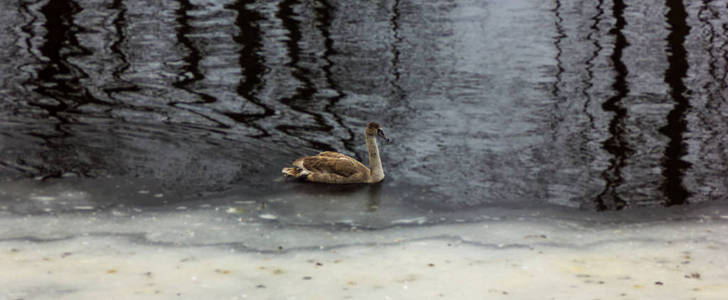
x: 334, y: 155
x: 337, y: 155
x: 340, y: 164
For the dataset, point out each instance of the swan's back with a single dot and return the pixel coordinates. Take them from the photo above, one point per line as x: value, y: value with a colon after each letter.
x: 329, y: 167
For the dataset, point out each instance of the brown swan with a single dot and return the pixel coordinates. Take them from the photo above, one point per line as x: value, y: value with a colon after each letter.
x: 333, y: 167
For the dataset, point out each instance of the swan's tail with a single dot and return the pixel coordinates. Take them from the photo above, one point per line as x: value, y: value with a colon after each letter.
x: 295, y: 172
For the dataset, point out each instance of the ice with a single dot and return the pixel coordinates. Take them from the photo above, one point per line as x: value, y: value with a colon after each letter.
x: 217, y: 253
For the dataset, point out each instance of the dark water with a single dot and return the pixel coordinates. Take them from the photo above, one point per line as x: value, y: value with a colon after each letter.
x: 600, y: 105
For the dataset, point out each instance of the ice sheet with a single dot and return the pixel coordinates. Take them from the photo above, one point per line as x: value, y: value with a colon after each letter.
x: 216, y: 254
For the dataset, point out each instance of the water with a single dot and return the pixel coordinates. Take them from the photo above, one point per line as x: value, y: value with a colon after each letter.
x: 592, y: 105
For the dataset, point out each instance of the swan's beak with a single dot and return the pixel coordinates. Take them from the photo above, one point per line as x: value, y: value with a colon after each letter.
x: 381, y: 134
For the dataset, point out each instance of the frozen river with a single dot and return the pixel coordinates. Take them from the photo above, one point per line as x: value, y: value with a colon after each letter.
x: 541, y: 149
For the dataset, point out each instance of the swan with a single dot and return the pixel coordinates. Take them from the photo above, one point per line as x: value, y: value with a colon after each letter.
x: 337, y: 168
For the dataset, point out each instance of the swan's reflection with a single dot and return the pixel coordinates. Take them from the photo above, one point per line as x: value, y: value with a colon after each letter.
x: 374, y: 199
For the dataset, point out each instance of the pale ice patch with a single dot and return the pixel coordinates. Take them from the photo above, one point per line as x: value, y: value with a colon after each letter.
x: 41, y: 198
x: 83, y: 207
x: 418, y: 220
x: 267, y: 216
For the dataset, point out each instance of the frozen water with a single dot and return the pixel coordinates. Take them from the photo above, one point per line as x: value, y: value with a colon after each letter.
x: 243, y: 251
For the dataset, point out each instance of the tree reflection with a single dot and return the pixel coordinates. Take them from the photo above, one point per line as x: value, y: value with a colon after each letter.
x: 673, y: 164
x: 616, y: 145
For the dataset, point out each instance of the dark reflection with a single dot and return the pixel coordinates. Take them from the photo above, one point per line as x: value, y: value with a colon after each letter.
x: 58, y: 78
x: 58, y: 82
x: 252, y: 64
x: 191, y: 71
x: 673, y: 165
x: 397, y: 92
x: 396, y: 98
x: 303, y: 96
x: 616, y: 145
x: 560, y: 35
x: 593, y: 36
x: 117, y: 47
x: 324, y: 17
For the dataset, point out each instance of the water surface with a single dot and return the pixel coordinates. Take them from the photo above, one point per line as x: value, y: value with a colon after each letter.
x: 598, y: 105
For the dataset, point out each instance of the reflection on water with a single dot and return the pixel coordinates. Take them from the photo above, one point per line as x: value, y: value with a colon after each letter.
x: 673, y: 166
x: 594, y: 104
x: 616, y: 144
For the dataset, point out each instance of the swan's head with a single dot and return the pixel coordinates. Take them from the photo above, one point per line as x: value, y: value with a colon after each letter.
x: 374, y: 129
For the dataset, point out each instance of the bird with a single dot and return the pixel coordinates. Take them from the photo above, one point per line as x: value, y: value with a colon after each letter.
x: 336, y: 168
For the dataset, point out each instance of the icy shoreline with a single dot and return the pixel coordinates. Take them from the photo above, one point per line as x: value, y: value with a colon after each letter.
x: 192, y: 255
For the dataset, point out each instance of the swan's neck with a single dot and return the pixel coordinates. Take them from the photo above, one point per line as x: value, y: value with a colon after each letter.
x: 375, y: 163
